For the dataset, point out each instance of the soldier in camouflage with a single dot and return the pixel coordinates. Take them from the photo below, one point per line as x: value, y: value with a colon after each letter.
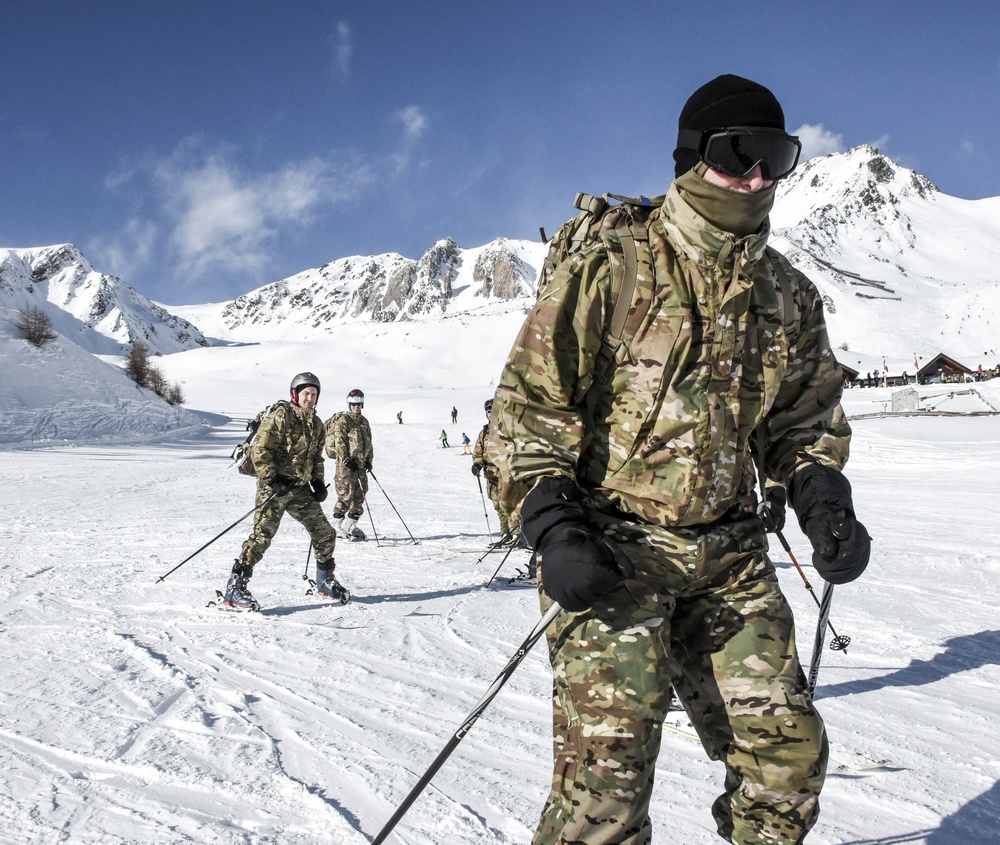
x: 287, y: 455
x: 639, y: 480
x: 483, y: 466
x: 349, y: 441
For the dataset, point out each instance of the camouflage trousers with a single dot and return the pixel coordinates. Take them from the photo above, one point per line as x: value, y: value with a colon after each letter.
x: 351, y: 487
x: 492, y: 476
x: 704, y: 614
x: 298, y: 504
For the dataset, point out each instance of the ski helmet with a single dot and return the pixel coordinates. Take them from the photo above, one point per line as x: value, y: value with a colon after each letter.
x: 356, y: 397
x: 300, y: 381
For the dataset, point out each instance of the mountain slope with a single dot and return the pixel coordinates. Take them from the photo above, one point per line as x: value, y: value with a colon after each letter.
x: 903, y: 269
x: 94, y: 310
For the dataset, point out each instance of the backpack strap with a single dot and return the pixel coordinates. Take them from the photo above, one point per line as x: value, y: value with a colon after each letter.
x: 631, y: 235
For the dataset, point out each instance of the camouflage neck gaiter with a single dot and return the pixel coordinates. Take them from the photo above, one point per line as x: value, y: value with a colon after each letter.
x: 731, y: 211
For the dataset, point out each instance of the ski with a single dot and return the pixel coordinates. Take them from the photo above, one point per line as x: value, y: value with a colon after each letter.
x: 219, y: 603
x: 523, y: 579
x: 866, y: 768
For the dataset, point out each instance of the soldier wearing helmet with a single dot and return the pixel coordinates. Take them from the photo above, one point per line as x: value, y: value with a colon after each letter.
x: 483, y: 465
x: 349, y: 442
x: 287, y: 456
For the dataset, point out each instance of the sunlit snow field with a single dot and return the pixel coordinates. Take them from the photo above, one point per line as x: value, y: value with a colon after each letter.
x: 130, y: 712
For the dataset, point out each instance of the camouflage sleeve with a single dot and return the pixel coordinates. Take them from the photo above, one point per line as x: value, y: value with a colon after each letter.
x: 268, y: 448
x: 369, y: 455
x: 336, y: 438
x: 806, y: 422
x: 538, y: 418
x: 479, y: 450
x: 319, y: 469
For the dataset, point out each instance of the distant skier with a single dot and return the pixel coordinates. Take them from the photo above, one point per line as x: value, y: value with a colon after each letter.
x: 454, y: 414
x: 399, y: 417
x: 444, y: 439
x: 466, y: 449
x: 287, y: 455
x: 349, y: 440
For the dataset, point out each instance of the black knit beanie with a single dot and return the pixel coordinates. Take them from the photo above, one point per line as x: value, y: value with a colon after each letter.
x: 725, y: 101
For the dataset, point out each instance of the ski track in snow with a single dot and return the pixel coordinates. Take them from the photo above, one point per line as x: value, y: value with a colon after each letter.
x: 131, y: 712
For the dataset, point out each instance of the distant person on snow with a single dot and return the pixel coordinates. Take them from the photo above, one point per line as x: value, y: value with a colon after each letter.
x: 444, y: 439
x: 287, y: 455
x: 638, y: 476
x: 349, y: 441
x: 466, y: 450
x: 399, y: 417
x: 454, y: 415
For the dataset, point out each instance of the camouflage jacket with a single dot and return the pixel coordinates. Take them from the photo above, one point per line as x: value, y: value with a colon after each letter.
x: 481, y: 454
x: 710, y: 358
x: 348, y: 435
x: 289, y: 442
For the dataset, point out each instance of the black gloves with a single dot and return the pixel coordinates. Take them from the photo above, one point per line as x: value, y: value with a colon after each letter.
x: 579, y: 564
x: 821, y: 497
x: 476, y: 469
x: 368, y: 466
x: 772, y: 511
x: 319, y: 490
x: 281, y: 484
x: 351, y: 464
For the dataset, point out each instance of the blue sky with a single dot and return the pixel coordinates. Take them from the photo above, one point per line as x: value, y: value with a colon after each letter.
x: 202, y: 149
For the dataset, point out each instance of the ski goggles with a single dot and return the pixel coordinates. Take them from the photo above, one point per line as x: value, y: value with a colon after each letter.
x: 737, y: 150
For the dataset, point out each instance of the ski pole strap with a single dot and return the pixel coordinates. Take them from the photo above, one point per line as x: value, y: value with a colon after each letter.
x: 459, y: 735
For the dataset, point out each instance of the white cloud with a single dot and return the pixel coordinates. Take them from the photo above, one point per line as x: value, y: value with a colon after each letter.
x: 125, y: 252
x: 341, y: 49
x: 222, y: 217
x: 414, y: 124
x: 200, y: 212
x: 818, y: 141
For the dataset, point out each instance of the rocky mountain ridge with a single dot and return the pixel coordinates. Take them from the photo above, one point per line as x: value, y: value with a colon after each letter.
x: 898, y: 263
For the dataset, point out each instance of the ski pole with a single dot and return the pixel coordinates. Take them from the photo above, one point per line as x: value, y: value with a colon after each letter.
x: 380, y: 487
x: 838, y: 643
x: 502, y: 562
x: 305, y: 575
x: 477, y: 711
x: 486, y: 513
x: 216, y: 537
x: 364, y: 496
x: 497, y: 545
x: 824, y: 618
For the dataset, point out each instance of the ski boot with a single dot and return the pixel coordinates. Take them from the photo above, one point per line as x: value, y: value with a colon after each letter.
x: 351, y: 530
x: 237, y: 595
x: 328, y: 587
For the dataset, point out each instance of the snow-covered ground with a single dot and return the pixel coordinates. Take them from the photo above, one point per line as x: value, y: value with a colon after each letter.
x: 131, y: 713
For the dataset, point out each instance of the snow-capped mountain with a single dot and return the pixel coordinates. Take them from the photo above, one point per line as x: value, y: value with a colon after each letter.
x: 382, y: 289
x: 905, y: 272
x: 94, y: 310
x: 903, y: 269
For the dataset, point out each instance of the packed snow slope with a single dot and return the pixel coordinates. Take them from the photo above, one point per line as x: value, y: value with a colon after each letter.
x: 132, y: 713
